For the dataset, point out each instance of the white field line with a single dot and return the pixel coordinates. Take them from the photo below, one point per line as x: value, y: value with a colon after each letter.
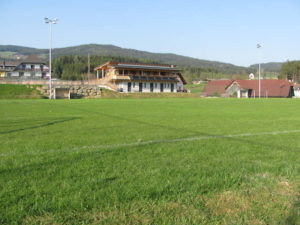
x: 160, y: 141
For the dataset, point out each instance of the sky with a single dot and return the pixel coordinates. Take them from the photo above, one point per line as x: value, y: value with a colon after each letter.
x: 220, y: 30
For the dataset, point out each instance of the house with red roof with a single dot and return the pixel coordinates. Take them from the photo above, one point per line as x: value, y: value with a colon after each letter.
x: 249, y: 88
x: 218, y: 88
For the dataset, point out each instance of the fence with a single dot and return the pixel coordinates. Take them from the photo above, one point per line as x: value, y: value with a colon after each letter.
x: 46, y: 82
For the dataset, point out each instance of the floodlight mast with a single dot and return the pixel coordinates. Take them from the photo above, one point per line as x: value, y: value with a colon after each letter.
x: 258, y: 46
x: 50, y: 22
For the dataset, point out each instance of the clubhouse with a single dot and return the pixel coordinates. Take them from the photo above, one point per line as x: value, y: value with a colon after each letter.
x: 137, y: 77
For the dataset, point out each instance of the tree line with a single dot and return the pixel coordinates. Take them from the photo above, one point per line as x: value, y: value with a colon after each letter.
x: 76, y: 68
x: 291, y: 71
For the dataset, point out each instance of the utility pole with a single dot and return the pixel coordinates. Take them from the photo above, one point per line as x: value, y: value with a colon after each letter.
x: 258, y: 46
x: 89, y: 67
x: 50, y: 22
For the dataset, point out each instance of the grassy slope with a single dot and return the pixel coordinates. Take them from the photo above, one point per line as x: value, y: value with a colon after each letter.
x: 58, y: 164
x: 15, y: 91
x: 195, y: 88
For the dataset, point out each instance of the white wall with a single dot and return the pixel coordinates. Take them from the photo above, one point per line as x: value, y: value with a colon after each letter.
x: 297, y: 93
x: 146, y: 89
x: 15, y: 74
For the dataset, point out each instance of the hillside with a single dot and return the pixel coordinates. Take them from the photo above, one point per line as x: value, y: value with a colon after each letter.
x: 12, y: 52
x: 16, y: 91
x: 270, y: 67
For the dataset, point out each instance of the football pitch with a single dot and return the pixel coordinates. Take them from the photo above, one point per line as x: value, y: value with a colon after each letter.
x: 150, y: 161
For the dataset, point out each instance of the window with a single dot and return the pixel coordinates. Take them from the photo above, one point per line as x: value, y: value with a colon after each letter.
x: 145, y: 85
x: 155, y: 85
x: 133, y: 84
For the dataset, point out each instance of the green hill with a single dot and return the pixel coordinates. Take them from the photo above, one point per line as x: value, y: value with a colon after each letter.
x: 12, y: 52
x: 270, y: 67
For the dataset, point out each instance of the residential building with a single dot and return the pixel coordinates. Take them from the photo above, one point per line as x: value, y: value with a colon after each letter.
x: 137, y: 77
x: 249, y: 88
x: 31, y: 67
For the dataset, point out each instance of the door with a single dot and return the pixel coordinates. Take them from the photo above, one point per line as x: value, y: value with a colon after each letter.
x: 151, y: 87
x: 172, y: 87
x: 140, y: 87
x: 161, y: 87
x: 129, y: 87
x: 249, y: 93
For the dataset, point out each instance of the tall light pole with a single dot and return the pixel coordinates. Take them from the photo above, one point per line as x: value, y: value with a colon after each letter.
x: 50, y: 22
x: 258, y: 46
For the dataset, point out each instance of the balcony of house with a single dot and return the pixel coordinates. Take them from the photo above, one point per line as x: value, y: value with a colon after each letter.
x: 32, y: 68
x: 153, y: 78
x: 145, y: 75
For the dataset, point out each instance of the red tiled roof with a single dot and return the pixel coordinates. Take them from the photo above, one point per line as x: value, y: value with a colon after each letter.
x: 217, y: 87
x: 269, y: 88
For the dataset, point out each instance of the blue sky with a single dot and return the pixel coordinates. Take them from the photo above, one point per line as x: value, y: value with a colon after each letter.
x: 223, y: 30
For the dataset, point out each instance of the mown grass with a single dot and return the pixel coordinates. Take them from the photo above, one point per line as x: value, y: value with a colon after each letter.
x: 62, y: 162
x: 16, y: 91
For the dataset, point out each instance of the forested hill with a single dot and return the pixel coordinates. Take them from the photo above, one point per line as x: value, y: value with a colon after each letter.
x: 11, y: 52
x: 271, y: 66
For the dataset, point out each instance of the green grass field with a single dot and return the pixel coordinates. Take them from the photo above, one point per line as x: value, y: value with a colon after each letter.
x: 150, y: 161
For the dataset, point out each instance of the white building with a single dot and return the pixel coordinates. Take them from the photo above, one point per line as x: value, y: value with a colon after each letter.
x: 31, y: 67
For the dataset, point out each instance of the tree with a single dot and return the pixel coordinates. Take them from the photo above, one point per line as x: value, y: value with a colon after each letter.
x: 291, y: 71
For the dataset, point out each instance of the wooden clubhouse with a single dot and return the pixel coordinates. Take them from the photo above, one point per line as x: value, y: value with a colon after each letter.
x: 137, y: 77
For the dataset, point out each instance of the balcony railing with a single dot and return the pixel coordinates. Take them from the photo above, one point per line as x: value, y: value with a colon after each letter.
x: 152, y: 78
